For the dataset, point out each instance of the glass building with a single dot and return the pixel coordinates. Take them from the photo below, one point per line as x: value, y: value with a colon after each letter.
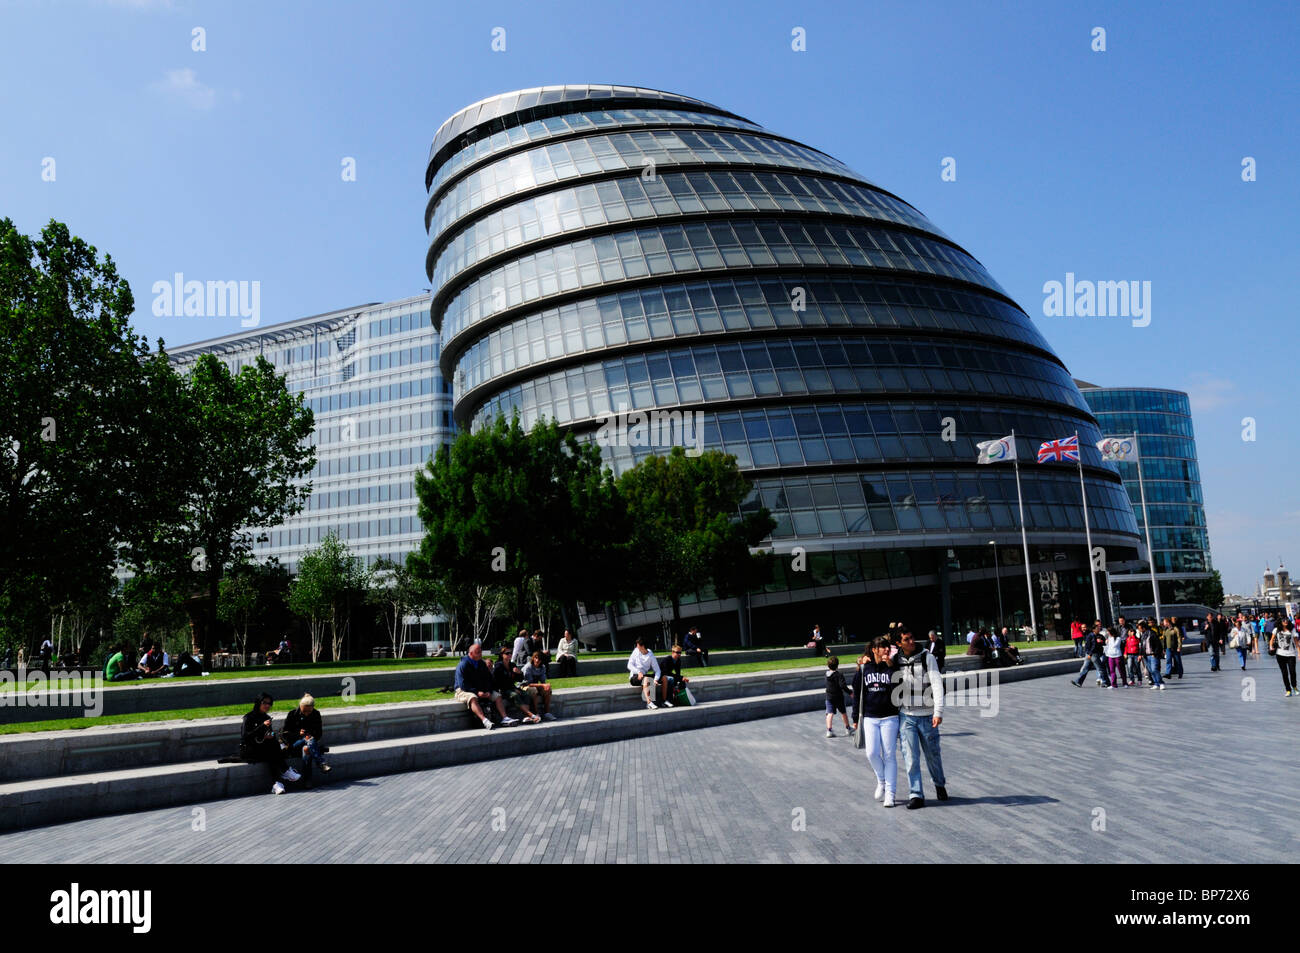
x: 370, y: 374
x: 1162, y: 419
x: 595, y: 249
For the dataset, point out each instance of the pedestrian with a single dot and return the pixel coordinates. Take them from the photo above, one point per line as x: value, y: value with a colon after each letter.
x: 836, y: 690
x: 920, y: 714
x: 1173, y: 648
x: 1282, y: 645
x: 1093, y: 648
x: 936, y: 647
x: 1077, y: 634
x: 1132, y: 659
x: 1240, y: 639
x: 1153, y: 651
x: 875, y: 683
x: 1114, y: 649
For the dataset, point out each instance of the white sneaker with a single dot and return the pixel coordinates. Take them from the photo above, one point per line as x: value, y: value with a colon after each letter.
x: 880, y: 790
x: 1162, y: 686
x: 277, y: 788
x: 507, y: 721
x: 889, y: 799
x: 487, y: 723
x: 651, y: 705
x: 668, y: 704
x: 290, y: 775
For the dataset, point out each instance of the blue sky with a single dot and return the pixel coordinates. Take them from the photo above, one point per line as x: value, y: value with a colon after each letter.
x: 224, y: 164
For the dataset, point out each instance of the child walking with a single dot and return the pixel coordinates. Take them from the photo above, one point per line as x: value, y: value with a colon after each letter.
x: 836, y: 689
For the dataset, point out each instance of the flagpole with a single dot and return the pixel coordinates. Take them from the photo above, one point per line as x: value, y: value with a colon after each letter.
x: 1087, y: 530
x: 1024, y: 540
x: 1146, y: 522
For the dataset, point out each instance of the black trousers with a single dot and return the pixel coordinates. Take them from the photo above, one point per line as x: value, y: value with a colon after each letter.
x: 1287, y: 664
x: 267, y: 753
x: 568, y: 666
x: 701, y: 656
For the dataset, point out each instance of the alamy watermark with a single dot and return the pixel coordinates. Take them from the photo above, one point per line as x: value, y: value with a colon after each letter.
x: 84, y: 690
x: 213, y: 299
x: 1100, y: 299
x: 652, y: 428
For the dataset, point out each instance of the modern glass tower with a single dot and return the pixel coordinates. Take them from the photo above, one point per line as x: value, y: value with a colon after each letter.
x: 596, y: 248
x: 1162, y: 420
x: 370, y: 375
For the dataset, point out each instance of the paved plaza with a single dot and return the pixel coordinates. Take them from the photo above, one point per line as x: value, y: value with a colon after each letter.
x: 1194, y: 774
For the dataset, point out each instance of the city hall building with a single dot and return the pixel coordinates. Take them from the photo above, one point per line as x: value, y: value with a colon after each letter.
x: 600, y: 250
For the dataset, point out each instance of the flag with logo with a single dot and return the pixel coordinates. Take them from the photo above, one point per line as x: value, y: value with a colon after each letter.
x: 996, y: 451
x: 1059, y: 451
x: 1117, y: 448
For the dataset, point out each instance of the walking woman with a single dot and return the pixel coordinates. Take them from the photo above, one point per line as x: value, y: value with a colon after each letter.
x: 874, y: 685
x: 1114, y: 664
x: 1240, y: 640
x: 1282, y: 644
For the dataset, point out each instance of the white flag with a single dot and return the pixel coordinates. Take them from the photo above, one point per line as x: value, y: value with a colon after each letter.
x: 1117, y: 448
x: 995, y: 451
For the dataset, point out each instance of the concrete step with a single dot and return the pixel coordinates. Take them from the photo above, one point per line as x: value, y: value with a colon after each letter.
x: 132, y: 698
x: 51, y: 754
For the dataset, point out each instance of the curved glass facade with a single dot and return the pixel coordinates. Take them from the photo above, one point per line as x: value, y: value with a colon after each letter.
x: 1162, y: 420
x: 600, y: 250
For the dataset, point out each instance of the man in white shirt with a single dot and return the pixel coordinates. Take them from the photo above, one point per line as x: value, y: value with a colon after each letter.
x: 640, y: 664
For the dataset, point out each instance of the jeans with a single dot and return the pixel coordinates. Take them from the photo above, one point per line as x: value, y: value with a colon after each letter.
x: 310, y: 753
x: 918, y: 731
x: 882, y: 750
x: 1214, y: 658
x: 1078, y: 649
x: 1093, y: 661
x: 1241, y: 654
x: 1134, y: 663
x: 1153, y: 669
x: 1174, y: 666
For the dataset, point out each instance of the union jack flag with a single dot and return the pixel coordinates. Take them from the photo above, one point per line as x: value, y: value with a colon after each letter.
x: 1059, y: 450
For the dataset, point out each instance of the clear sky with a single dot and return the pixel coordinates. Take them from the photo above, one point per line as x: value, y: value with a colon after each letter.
x: 225, y: 163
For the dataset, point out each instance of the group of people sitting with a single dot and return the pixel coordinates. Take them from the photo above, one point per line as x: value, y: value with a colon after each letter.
x: 518, y: 678
x: 154, y: 663
x: 300, y: 736
x: 655, y: 678
x: 994, y: 648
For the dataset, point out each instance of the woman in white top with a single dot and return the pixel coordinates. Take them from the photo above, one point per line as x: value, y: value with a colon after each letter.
x: 1240, y: 639
x: 1282, y: 643
x: 1114, y: 652
x: 566, y: 655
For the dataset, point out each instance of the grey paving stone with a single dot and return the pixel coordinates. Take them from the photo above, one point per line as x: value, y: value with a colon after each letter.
x: 1195, y: 774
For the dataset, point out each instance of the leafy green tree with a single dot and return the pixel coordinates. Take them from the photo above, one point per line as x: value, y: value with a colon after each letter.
x: 688, y: 528
x: 396, y: 593
x: 328, y: 578
x: 73, y: 431
x: 237, y: 598
x: 502, y: 507
x: 241, y: 451
x: 149, y: 603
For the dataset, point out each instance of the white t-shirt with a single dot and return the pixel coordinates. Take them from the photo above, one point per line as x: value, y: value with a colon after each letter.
x: 1285, y: 643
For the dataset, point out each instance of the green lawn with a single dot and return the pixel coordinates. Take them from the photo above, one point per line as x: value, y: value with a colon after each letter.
x: 427, y: 694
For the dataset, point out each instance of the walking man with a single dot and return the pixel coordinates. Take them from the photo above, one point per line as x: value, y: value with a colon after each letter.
x: 1173, y: 648
x: 920, y: 706
x: 1094, y: 643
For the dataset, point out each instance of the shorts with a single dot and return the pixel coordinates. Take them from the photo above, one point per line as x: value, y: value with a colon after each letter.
x: 636, y: 679
x: 467, y: 698
x: 832, y: 707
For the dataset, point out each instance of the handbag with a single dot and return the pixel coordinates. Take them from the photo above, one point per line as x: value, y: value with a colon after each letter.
x: 685, y: 697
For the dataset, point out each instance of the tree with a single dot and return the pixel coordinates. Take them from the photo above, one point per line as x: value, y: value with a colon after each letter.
x: 327, y: 578
x: 73, y: 422
x: 397, y: 593
x: 149, y: 603
x: 502, y: 507
x: 237, y: 599
x: 688, y: 528
x: 241, y: 443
